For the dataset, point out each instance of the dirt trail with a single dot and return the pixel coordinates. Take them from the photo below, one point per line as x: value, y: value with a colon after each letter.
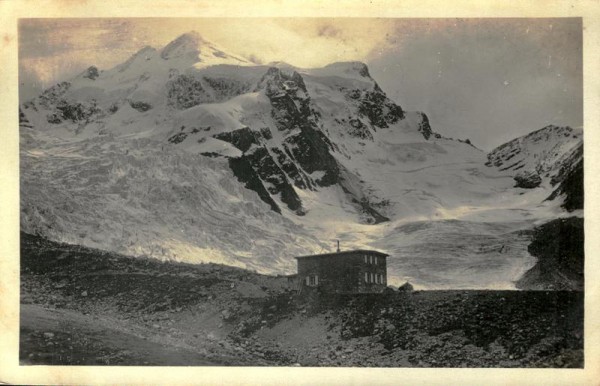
x: 53, y: 336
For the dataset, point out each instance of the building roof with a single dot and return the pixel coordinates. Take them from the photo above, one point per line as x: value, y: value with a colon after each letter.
x: 345, y: 253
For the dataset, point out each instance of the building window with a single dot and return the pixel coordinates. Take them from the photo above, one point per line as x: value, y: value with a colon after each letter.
x: 366, y: 276
x: 312, y: 281
x: 372, y: 278
x: 375, y: 260
x: 366, y: 259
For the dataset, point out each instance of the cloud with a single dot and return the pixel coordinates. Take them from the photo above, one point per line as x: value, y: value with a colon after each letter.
x: 51, y: 50
x: 299, y: 41
x: 255, y: 59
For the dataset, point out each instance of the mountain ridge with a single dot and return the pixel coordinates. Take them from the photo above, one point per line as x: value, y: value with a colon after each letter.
x: 251, y: 165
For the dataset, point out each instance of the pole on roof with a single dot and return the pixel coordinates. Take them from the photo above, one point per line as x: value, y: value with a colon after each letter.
x: 338, y: 243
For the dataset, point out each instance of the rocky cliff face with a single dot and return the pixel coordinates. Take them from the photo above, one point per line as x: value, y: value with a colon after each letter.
x: 527, y: 180
x: 552, y: 156
x: 291, y: 111
x: 558, y: 246
x: 542, y: 151
x: 569, y: 181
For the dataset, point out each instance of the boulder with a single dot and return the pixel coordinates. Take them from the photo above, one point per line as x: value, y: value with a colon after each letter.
x: 406, y: 287
x: 91, y: 73
x: 226, y: 315
x: 527, y: 180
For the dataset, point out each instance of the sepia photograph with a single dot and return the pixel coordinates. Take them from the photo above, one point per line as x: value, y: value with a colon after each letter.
x: 317, y: 192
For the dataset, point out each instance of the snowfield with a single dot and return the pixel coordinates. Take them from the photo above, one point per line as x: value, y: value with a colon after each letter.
x: 184, y: 154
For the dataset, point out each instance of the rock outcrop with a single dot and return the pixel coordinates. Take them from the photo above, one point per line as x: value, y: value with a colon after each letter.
x: 570, y: 182
x: 527, y: 180
x: 559, y: 248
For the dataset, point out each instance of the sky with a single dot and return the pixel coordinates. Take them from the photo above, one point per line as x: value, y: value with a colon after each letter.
x: 488, y: 80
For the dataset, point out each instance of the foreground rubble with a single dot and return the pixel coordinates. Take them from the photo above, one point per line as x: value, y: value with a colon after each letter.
x: 86, y: 307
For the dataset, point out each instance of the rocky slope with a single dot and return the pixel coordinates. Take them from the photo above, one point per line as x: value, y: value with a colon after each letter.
x: 81, y: 306
x: 548, y: 155
x: 570, y: 182
x: 193, y: 154
x: 558, y: 246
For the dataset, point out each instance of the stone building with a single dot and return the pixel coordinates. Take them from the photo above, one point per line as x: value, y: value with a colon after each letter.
x: 358, y: 271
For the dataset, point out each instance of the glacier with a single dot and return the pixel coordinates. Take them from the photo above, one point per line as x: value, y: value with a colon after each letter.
x: 189, y: 153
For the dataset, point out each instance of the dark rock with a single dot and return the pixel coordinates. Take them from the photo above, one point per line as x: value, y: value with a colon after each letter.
x: 406, y: 287
x: 266, y: 168
x: 178, y: 138
x: 52, y: 95
x: 570, y: 180
x: 243, y: 171
x: 140, y: 106
x: 425, y: 128
x: 380, y: 110
x: 310, y: 149
x: 113, y: 108
x: 53, y: 118
x: 226, y: 88
x: 374, y: 216
x: 23, y: 121
x: 91, y: 73
x: 527, y: 180
x: 300, y: 179
x: 265, y: 132
x: 185, y: 91
x: 242, y: 138
x: 359, y: 130
x: 72, y: 111
x: 211, y: 154
x: 291, y: 110
x: 559, y: 247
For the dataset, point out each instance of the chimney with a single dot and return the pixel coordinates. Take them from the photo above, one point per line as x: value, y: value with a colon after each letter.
x: 338, y: 246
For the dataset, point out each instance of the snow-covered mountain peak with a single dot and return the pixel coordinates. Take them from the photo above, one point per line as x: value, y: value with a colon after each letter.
x: 186, y: 44
x: 348, y: 68
x: 193, y: 47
